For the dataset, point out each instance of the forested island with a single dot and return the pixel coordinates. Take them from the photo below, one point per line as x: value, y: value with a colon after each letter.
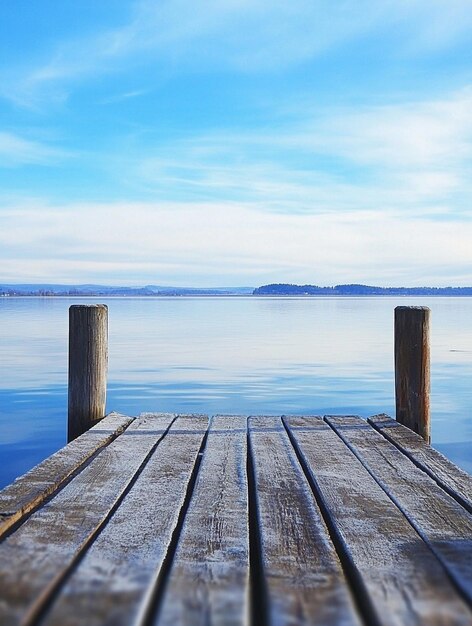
x: 285, y: 289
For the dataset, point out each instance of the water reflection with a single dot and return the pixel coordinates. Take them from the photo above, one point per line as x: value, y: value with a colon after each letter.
x: 228, y: 355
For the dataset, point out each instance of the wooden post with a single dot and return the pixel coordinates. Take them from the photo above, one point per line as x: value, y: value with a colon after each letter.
x: 88, y: 360
x: 412, y: 375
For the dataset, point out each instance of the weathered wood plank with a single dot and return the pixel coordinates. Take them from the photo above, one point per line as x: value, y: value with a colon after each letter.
x: 209, y: 577
x: 36, y: 556
x: 450, y: 477
x: 399, y: 578
x: 30, y: 490
x: 126, y: 559
x: 303, y: 576
x: 443, y: 523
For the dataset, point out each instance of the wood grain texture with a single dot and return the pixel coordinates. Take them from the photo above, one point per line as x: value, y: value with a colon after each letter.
x: 412, y: 368
x: 404, y: 582
x: 88, y: 366
x: 118, y: 572
x: 304, y: 578
x: 208, y: 583
x: 174, y: 524
x: 451, y: 478
x: 30, y: 490
x: 35, y: 557
x: 441, y: 522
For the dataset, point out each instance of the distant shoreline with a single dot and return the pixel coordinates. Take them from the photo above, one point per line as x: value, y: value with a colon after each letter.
x: 234, y: 296
x: 283, y: 290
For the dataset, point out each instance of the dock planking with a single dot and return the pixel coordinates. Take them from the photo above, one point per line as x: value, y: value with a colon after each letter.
x: 302, y: 573
x: 450, y: 477
x: 397, y: 578
x: 130, y: 551
x: 32, y: 489
x: 267, y: 521
x: 209, y: 575
x: 443, y: 524
x: 39, y: 555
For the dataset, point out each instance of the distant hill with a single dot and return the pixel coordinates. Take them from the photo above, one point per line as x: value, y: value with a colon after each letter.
x: 284, y: 289
x: 279, y: 289
x: 47, y: 289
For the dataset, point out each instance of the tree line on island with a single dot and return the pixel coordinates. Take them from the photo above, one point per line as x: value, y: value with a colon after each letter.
x: 286, y: 289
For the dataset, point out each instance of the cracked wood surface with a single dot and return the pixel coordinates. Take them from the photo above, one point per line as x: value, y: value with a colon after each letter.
x: 402, y: 582
x: 263, y: 521
x: 29, y: 491
x: 110, y: 584
x: 444, y: 525
x: 303, y: 574
x: 451, y: 478
x: 208, y: 582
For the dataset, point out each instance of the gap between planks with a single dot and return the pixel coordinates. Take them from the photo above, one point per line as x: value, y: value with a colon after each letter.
x: 43, y: 552
x: 31, y: 490
x: 401, y: 578
x: 444, y: 525
x: 165, y: 603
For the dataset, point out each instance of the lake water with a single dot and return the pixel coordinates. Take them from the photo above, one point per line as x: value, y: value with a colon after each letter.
x: 229, y: 355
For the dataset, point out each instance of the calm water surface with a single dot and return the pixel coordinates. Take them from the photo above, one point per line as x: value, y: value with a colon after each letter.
x: 229, y: 355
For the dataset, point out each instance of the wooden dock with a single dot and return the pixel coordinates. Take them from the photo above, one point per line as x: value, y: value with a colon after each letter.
x: 184, y: 520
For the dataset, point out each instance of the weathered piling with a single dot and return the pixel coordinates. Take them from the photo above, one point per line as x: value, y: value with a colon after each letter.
x: 412, y: 368
x: 88, y: 361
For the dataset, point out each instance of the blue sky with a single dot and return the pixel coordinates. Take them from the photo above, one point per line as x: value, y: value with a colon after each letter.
x: 236, y: 142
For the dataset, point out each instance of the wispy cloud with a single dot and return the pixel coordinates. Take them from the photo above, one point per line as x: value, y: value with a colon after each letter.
x: 127, y: 95
x: 433, y: 26
x: 214, y: 243
x: 413, y: 157
x: 416, y: 134
x: 239, y: 35
x: 240, y: 151
x: 16, y: 150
